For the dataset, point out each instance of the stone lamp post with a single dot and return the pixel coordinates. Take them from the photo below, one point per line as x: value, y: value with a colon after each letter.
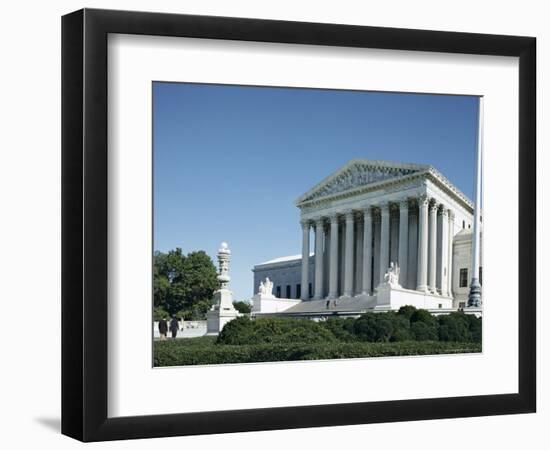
x: 222, y: 310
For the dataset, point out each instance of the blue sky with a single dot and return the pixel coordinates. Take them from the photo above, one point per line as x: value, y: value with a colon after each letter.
x: 229, y: 161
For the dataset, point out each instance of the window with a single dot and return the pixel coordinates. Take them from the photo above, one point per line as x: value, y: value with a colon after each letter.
x: 287, y: 291
x: 278, y: 292
x: 480, y: 275
x: 463, y: 280
x: 310, y: 291
x: 462, y: 305
x: 298, y: 290
x: 440, y: 305
x: 463, y: 224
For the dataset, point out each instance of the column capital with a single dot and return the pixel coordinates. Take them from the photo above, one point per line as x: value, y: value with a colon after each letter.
x: 367, y: 211
x: 404, y: 203
x: 319, y: 220
x: 433, y: 205
x: 306, y: 223
x: 334, y: 217
x: 451, y: 214
x: 349, y: 215
x: 384, y: 207
x: 423, y: 200
x: 444, y: 211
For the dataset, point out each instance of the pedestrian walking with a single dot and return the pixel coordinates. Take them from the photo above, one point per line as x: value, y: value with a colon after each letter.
x: 163, y: 329
x: 174, y: 326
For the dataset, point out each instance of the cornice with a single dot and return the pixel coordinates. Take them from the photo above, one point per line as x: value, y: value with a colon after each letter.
x: 392, y: 184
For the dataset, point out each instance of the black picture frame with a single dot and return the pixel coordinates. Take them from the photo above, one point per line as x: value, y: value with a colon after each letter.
x: 84, y: 224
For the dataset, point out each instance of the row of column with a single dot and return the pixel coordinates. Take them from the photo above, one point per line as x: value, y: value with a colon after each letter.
x: 429, y: 229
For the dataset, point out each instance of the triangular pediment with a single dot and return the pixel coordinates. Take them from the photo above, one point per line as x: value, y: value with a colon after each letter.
x: 358, y: 173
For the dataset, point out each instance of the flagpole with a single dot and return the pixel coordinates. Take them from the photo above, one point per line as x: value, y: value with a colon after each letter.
x: 474, y: 297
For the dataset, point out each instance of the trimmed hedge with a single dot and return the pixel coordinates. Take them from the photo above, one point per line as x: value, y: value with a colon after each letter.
x: 408, y: 324
x: 244, y: 331
x: 181, y: 352
x: 409, y: 331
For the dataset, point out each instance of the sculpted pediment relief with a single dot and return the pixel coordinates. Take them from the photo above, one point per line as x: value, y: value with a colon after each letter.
x: 359, y: 173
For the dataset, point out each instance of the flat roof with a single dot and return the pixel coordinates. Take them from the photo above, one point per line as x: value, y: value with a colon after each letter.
x: 282, y: 259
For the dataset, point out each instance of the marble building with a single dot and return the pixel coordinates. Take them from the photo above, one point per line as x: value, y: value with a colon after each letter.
x: 365, y: 216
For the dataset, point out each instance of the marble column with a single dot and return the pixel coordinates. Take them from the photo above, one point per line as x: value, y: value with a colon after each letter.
x: 367, y: 251
x: 333, y: 266
x: 319, y: 232
x: 444, y: 270
x: 450, y: 235
x: 348, y: 262
x: 432, y: 248
x: 304, y: 294
x: 422, y: 266
x: 384, y: 240
x: 403, y: 253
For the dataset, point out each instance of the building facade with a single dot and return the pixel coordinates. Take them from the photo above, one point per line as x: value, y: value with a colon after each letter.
x: 367, y: 215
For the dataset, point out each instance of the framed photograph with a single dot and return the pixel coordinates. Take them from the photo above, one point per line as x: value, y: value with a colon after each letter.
x: 272, y: 224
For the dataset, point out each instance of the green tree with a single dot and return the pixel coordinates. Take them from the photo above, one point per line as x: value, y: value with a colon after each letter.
x: 161, y: 287
x: 184, y: 284
x: 199, y: 278
x: 159, y: 313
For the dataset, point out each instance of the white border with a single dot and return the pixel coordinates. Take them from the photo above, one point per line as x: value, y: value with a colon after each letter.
x: 136, y: 389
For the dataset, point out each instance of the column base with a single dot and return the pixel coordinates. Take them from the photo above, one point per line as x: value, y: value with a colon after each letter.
x: 474, y: 297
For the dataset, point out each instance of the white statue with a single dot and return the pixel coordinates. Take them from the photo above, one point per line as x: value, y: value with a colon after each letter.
x: 392, y: 275
x: 266, y: 288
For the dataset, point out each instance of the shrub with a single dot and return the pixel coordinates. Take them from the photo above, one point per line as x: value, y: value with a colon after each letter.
x: 365, y: 327
x: 243, y: 331
x: 474, y: 325
x: 242, y: 307
x: 406, y: 311
x: 401, y: 328
x: 422, y: 315
x: 421, y: 331
x: 342, y: 329
x: 238, y: 331
x: 454, y: 327
x: 204, y: 351
x: 370, y: 327
x: 382, y: 327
